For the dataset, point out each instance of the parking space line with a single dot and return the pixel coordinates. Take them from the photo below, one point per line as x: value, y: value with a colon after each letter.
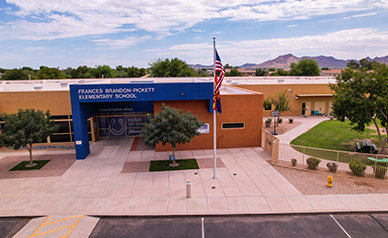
x: 60, y: 228
x: 203, y: 227
x: 343, y: 229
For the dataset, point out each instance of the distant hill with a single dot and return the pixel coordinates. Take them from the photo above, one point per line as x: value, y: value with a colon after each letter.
x: 247, y: 65
x: 328, y: 61
x: 200, y: 66
x: 284, y: 61
x: 381, y: 60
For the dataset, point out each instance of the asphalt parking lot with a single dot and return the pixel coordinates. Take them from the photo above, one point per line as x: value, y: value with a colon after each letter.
x: 10, y: 226
x: 321, y: 225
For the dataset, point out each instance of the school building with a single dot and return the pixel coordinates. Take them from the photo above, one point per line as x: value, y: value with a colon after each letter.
x: 91, y: 109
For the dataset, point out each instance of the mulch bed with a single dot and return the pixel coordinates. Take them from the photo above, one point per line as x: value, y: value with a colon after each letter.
x: 143, y: 166
x: 136, y: 167
x: 283, y: 127
x: 207, y: 163
x: 58, y: 165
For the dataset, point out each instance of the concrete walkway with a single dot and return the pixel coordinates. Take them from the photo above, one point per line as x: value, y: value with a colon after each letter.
x: 307, y: 123
x: 96, y: 186
x: 247, y: 185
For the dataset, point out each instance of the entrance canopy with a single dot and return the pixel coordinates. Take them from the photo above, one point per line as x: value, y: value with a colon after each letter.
x: 87, y: 99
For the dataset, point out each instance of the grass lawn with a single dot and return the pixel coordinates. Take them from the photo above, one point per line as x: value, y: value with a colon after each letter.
x: 163, y: 165
x: 22, y: 165
x: 335, y: 135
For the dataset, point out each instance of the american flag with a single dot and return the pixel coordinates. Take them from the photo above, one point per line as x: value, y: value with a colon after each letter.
x: 219, y: 68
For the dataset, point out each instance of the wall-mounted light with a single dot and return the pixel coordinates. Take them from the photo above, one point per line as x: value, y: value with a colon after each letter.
x: 289, y: 90
x: 296, y: 98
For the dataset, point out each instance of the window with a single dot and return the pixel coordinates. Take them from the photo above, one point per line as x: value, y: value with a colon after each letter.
x: 234, y: 125
x: 65, y: 132
x: 60, y: 117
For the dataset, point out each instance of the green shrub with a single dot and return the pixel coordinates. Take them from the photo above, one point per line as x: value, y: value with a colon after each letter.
x: 293, y: 162
x: 269, y: 120
x: 291, y: 120
x: 379, y: 171
x: 357, y: 167
x: 280, y: 120
x: 313, y: 163
x: 332, y: 166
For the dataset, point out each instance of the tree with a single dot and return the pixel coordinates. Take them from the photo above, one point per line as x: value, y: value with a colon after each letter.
x: 261, y: 72
x: 233, y: 72
x: 171, y: 126
x: 80, y: 73
x: 227, y: 66
x: 281, y: 101
x: 305, y: 67
x: 280, y: 72
x: 353, y: 64
x: 67, y: 72
x: 50, y: 73
x: 120, y: 72
x: 26, y: 127
x: 134, y: 72
x: 362, y: 97
x: 203, y: 72
x: 171, y: 68
x: 15, y: 74
x: 366, y: 64
x: 102, y: 72
x: 325, y: 68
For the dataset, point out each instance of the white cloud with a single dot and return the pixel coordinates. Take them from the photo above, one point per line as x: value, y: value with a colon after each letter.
x: 121, y: 43
x: 361, y: 15
x: 354, y: 43
x: 55, y: 19
x: 292, y: 25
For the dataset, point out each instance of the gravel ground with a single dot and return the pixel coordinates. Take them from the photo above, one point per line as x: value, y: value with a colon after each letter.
x: 283, y: 127
x: 57, y: 166
x: 314, y: 183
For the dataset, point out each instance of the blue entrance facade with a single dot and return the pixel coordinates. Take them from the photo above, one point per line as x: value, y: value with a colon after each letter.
x: 121, y: 103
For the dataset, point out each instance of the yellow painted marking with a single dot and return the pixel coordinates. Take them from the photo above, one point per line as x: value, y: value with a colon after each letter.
x: 61, y: 228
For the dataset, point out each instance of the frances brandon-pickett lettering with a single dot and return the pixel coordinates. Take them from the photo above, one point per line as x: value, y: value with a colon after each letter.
x: 110, y: 93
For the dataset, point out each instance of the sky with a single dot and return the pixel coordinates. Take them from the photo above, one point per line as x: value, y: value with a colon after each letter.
x: 72, y: 33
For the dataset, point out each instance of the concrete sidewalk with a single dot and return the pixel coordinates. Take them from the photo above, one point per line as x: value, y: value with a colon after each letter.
x: 308, y: 122
x: 247, y: 185
x: 96, y: 186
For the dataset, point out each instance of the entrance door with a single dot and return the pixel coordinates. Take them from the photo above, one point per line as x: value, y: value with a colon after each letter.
x: 306, y: 108
x: 320, y: 107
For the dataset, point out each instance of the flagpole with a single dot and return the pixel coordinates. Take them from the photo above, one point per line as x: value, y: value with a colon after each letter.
x: 214, y: 112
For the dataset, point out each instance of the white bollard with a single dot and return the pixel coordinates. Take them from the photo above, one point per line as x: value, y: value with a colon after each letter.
x: 188, y: 188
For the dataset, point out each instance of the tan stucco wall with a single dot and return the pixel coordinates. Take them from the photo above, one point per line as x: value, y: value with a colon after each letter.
x: 57, y: 102
x: 296, y: 104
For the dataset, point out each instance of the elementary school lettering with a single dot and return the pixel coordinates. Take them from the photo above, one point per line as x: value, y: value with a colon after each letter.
x: 110, y: 93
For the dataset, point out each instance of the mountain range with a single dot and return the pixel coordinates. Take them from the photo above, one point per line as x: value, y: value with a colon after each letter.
x: 284, y: 61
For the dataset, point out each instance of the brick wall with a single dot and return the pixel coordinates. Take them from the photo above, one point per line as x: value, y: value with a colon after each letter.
x: 245, y: 108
